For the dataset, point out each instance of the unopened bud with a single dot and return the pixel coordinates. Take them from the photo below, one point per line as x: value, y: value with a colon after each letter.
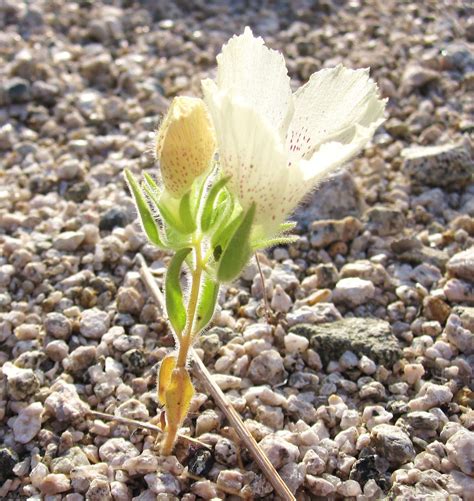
x: 185, y: 144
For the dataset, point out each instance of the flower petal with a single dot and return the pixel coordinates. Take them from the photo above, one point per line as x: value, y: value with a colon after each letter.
x: 251, y: 152
x: 329, y: 107
x: 333, y: 155
x: 249, y: 69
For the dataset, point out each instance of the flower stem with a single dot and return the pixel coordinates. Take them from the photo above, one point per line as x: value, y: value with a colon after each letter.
x: 186, y: 340
x: 188, y: 333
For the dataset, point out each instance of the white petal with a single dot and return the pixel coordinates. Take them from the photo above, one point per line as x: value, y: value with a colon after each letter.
x: 250, y: 151
x: 331, y: 156
x: 249, y: 69
x: 329, y: 107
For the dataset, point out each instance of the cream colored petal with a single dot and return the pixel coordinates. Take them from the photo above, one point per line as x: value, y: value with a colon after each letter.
x: 257, y: 74
x: 250, y: 151
x: 329, y: 107
x: 328, y: 159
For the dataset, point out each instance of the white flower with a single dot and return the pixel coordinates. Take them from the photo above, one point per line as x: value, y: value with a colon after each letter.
x: 276, y: 145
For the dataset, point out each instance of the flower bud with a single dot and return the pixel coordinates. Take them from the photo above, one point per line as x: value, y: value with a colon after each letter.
x: 185, y: 144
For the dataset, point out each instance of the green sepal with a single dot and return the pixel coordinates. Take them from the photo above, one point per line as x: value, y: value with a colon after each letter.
x: 208, y: 209
x: 186, y: 216
x: 150, y: 226
x: 272, y: 242
x: 207, y: 302
x: 227, y: 211
x: 173, y: 294
x: 170, y: 217
x: 223, y: 234
x: 288, y: 226
x: 237, y: 252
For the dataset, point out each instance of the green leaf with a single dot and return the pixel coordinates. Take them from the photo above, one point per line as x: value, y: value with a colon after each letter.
x: 238, y: 250
x: 146, y: 217
x: 208, y: 210
x: 186, y: 214
x: 173, y: 294
x: 207, y: 302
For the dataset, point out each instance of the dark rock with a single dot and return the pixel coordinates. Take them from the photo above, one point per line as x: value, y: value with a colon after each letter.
x: 384, y: 221
x: 134, y: 360
x: 446, y: 166
x: 113, y: 218
x: 210, y: 343
x: 77, y: 192
x: 41, y: 184
x: 225, y: 334
x: 200, y: 462
x: 44, y: 93
x: 370, y: 467
x: 8, y: 459
x: 327, y: 275
x: 362, y: 336
x: 18, y: 90
x: 421, y: 420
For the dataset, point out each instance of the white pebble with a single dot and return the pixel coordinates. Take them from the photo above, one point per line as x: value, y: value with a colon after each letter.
x: 295, y: 343
x: 28, y: 423
x: 281, y: 301
x: 412, y: 373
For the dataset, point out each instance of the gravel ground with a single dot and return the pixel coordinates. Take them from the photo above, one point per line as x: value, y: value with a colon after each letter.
x: 360, y: 386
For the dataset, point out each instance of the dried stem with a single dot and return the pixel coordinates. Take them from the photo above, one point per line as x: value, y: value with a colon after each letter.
x: 142, y: 424
x: 265, y: 299
x: 226, y: 407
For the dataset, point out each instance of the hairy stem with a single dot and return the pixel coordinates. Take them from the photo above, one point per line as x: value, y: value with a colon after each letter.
x: 188, y: 333
x: 186, y: 339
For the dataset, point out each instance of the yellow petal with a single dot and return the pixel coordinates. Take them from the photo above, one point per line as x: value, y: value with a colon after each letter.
x: 178, y: 397
x: 185, y: 144
x: 164, y: 376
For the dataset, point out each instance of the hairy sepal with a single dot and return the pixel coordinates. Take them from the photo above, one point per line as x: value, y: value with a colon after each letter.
x: 149, y: 225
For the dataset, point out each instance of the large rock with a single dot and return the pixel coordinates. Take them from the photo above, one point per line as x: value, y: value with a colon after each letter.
x: 412, y: 251
x: 460, y: 448
x: 462, y: 264
x: 328, y: 231
x: 384, y: 221
x: 336, y: 198
x: 393, y: 444
x: 362, y: 336
x: 446, y: 166
x: 267, y: 368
